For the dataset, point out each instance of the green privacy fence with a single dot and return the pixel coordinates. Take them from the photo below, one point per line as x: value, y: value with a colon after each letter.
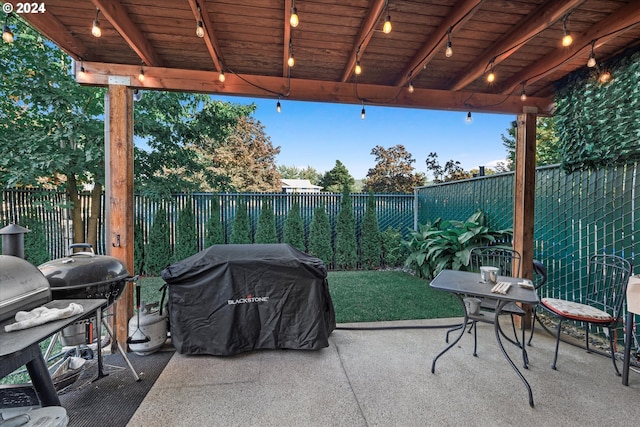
x: 51, y: 208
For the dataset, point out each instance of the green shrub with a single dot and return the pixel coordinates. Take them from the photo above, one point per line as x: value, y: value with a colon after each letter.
x: 293, y: 231
x: 158, y: 249
x: 320, y: 236
x: 241, y: 229
x: 213, y: 228
x: 186, y: 233
x: 447, y: 244
x: 346, y: 255
x: 36, y: 249
x: 266, y: 229
x: 138, y: 246
x: 370, y: 240
x: 393, y: 252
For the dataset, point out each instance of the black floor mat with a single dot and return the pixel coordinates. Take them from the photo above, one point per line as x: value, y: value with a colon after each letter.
x: 112, y: 400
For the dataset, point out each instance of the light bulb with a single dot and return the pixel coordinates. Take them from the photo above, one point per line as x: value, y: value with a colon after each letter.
x: 221, y: 77
x: 592, y: 61
x: 448, y: 52
x: 567, y: 39
x: 278, y: 107
x: 411, y: 88
x: 95, y: 29
x: 294, y: 20
x: 523, y: 96
x: 291, y: 62
x: 469, y: 117
x: 386, y: 28
x: 358, y: 69
x: 363, y: 115
x: 200, y: 30
x: 491, y: 77
x: 141, y: 75
x: 7, y: 35
x: 604, y: 77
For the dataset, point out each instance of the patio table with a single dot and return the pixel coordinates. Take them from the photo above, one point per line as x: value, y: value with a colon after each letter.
x: 464, y: 283
x: 22, y: 347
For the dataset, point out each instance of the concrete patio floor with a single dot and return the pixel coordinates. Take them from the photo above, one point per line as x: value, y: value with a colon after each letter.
x: 383, y: 378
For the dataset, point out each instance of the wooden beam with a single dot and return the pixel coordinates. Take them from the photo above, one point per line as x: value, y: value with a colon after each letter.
x: 364, y: 36
x: 97, y: 74
x: 541, y: 18
x: 200, y: 12
x: 460, y: 13
x: 524, y: 196
x: 606, y: 29
x: 286, y: 37
x: 54, y: 30
x: 118, y: 16
x: 119, y: 195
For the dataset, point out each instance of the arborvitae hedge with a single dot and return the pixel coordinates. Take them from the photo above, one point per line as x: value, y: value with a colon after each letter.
x: 241, y: 229
x: 293, y: 231
x: 214, y: 234
x: 392, y: 250
x: 370, y: 240
x: 320, y: 236
x: 35, y: 243
x: 186, y: 233
x: 158, y: 249
x: 138, y: 247
x: 346, y: 247
x: 266, y: 229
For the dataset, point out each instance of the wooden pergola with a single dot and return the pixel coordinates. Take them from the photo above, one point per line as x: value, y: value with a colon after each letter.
x: 189, y: 45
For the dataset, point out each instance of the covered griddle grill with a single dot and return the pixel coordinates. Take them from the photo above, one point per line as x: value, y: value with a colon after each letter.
x: 230, y: 299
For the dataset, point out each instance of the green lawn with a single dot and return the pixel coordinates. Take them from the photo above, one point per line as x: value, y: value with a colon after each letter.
x: 368, y: 296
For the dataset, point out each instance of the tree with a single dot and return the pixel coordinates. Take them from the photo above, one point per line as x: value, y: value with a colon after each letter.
x: 246, y: 158
x: 213, y: 228
x: 35, y: 243
x: 293, y: 231
x: 335, y: 179
x: 370, y: 239
x: 55, y: 126
x: 548, y: 150
x: 241, y: 229
x: 158, y: 249
x: 452, y: 171
x: 138, y: 246
x: 186, y: 233
x: 320, y: 236
x: 293, y: 172
x: 266, y: 229
x: 393, y: 172
x: 346, y: 247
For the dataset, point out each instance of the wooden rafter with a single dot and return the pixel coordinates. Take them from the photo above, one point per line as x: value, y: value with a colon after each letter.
x: 305, y: 90
x: 209, y: 35
x: 364, y: 36
x: 460, y: 13
x: 286, y: 37
x: 118, y: 16
x: 604, y: 30
x: 541, y: 18
x: 53, y: 29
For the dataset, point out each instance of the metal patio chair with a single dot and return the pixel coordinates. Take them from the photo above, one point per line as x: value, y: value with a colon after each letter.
x: 541, y: 275
x: 601, y: 303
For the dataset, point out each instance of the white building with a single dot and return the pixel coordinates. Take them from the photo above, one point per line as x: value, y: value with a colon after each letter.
x: 299, y: 186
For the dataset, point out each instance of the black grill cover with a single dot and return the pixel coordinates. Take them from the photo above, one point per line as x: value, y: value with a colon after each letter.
x: 228, y: 299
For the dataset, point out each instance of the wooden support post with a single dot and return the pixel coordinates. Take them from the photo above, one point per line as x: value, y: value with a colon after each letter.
x: 119, y: 195
x: 524, y: 198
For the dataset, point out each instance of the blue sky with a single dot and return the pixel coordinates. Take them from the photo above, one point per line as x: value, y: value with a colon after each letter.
x: 317, y: 134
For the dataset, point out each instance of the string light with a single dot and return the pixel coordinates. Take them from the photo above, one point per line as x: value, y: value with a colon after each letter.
x: 221, y: 76
x: 358, y: 69
x: 200, y: 25
x: 448, y: 52
x: 291, y: 62
x: 566, y: 37
x: 386, y: 28
x: 592, y: 57
x: 491, y: 77
x: 95, y: 29
x: 363, y: 114
x: 82, y: 70
x: 278, y: 106
x: 468, y: 120
x: 523, y: 94
x: 294, y: 20
x: 411, y: 89
x: 7, y: 35
x: 604, y: 77
x: 141, y: 76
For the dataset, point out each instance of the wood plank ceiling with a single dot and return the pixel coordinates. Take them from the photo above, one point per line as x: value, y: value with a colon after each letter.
x: 251, y: 40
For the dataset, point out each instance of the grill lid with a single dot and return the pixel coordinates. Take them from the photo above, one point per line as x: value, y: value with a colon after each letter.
x: 83, y: 269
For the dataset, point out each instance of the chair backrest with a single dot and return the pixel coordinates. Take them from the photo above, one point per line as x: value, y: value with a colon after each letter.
x: 607, y: 280
x: 541, y: 274
x: 506, y: 259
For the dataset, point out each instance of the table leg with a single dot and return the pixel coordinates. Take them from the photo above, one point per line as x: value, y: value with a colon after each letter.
x: 42, y: 381
x: 462, y: 329
x: 101, y: 373
x: 627, y: 349
x: 496, y: 327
